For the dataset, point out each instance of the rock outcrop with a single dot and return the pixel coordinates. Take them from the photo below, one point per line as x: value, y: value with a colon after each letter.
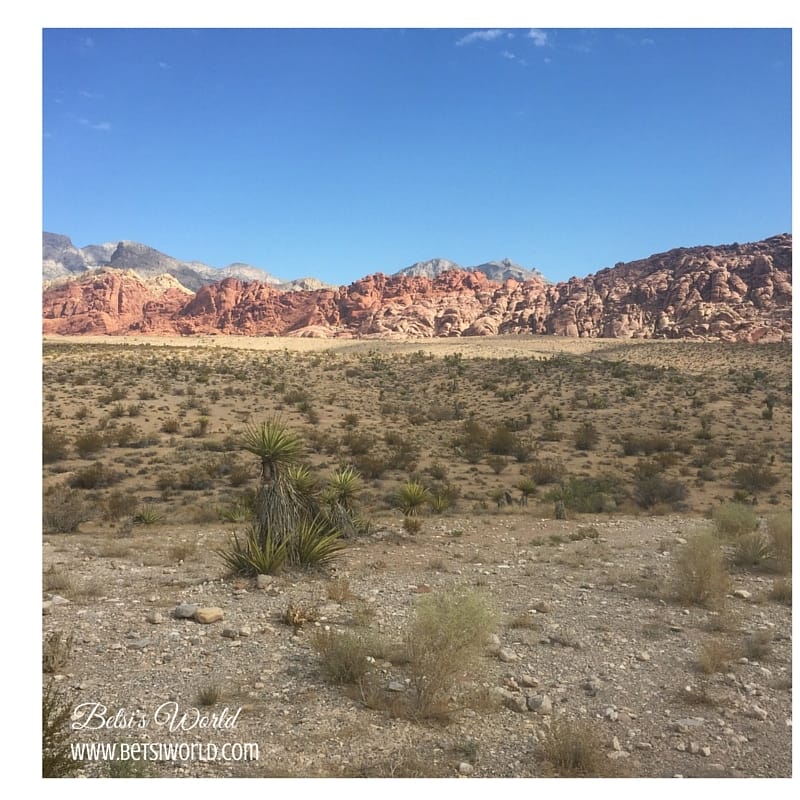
x: 738, y: 292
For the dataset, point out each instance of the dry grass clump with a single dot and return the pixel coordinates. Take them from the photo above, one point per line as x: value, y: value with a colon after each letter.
x: 57, y: 759
x: 715, y: 655
x: 782, y: 591
x: 444, y: 639
x: 209, y: 695
x: 56, y: 651
x: 346, y: 654
x: 700, y: 574
x: 757, y: 645
x: 574, y: 749
x: 752, y: 550
x: 63, y: 510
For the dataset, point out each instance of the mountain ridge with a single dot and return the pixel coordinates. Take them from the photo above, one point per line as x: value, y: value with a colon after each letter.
x: 737, y: 292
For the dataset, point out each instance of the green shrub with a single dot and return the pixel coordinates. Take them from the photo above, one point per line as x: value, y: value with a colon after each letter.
x: 411, y: 496
x: 734, y: 519
x: 586, y: 437
x: 754, y: 478
x: 446, y: 635
x: 95, y: 476
x: 250, y: 557
x: 779, y: 528
x: 89, y: 443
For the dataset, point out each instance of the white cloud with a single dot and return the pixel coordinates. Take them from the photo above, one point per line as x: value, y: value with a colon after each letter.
x: 479, y: 36
x: 95, y: 126
x: 648, y: 41
x: 506, y: 54
x: 539, y: 37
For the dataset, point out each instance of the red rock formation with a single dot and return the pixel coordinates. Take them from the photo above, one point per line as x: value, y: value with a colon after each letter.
x: 731, y: 292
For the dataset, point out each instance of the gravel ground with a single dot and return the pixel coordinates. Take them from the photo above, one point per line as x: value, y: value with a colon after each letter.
x: 585, y: 633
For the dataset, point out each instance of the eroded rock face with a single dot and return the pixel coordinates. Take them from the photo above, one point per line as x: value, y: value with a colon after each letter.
x: 729, y: 292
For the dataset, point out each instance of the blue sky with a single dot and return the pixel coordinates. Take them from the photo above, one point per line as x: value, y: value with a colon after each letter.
x: 342, y: 152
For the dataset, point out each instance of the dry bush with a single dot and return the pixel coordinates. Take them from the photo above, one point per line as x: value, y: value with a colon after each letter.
x: 445, y: 637
x: 714, y: 656
x: 56, y: 651
x: 574, y: 749
x: 779, y: 528
x: 752, y: 550
x: 757, y: 645
x: 345, y: 654
x: 209, y: 695
x: 782, y: 591
x: 63, y: 510
x: 700, y: 574
x: 57, y: 761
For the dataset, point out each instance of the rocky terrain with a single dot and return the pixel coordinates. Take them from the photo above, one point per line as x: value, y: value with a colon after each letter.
x: 738, y: 292
x: 579, y: 638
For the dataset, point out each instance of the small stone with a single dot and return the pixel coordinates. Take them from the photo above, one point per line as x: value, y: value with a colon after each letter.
x: 743, y: 594
x: 616, y: 754
x: 245, y: 631
x: 47, y: 606
x: 205, y: 616
x: 396, y: 686
x: 528, y: 681
x: 694, y: 748
x: 185, y: 610
x: 615, y: 744
x: 611, y: 714
x: 681, y: 747
x: 643, y: 656
x: 540, y: 703
x: 756, y: 712
x: 139, y: 644
x: 680, y: 540
x: 591, y: 686
x: 58, y: 600
x: 465, y: 768
x: 541, y: 607
x: 644, y: 746
x: 155, y: 617
x: 705, y: 751
x: 229, y: 632
x: 493, y: 644
x: 507, y: 655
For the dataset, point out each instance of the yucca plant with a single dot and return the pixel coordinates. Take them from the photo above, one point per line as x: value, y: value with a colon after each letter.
x: 249, y: 557
x: 411, y: 496
x: 148, y: 514
x: 316, y: 542
x: 343, y: 487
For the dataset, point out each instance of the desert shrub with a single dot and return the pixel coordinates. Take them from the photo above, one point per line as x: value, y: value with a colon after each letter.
x: 195, y: 478
x: 501, y: 441
x: 757, y: 645
x: 496, y: 463
x: 120, y: 504
x: 372, y: 465
x: 781, y: 591
x: 779, y: 528
x: 574, y: 749
x: 586, y: 437
x: 700, y: 575
x: 57, y: 707
x: 752, y: 549
x: 734, y: 519
x: 588, y: 495
x: 239, y: 511
x: 445, y: 636
x: 95, y: 476
x: 171, y: 425
x: 345, y: 654
x: 54, y: 444
x: 645, y: 444
x: 63, y: 510
x: 651, y: 488
x: 317, y: 542
x: 714, y: 656
x: 56, y: 651
x: 545, y: 470
x: 358, y: 444
x: 754, y: 478
x: 439, y: 503
x: 88, y: 443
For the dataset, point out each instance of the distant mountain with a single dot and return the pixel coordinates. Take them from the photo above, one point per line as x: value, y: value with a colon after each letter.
x: 734, y: 292
x: 61, y: 259
x: 499, y: 271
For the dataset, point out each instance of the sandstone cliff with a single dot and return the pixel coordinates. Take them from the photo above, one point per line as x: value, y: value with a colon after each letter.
x: 738, y: 292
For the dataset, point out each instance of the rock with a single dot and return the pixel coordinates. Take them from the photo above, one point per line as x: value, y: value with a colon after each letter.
x: 512, y: 700
x: 47, y: 606
x: 139, y: 644
x: 208, y: 615
x: 58, y: 600
x: 694, y: 748
x: 615, y: 743
x: 507, y: 655
x: 705, y: 751
x: 245, y: 631
x: 617, y: 754
x: 611, y: 714
x: 396, y: 686
x: 541, y: 607
x: 185, y: 610
x: 643, y: 656
x: 591, y: 686
x: 727, y: 293
x: 528, y: 681
x: 541, y: 704
x: 465, y: 768
x: 493, y: 645
x: 756, y: 712
x: 743, y: 594
x: 155, y: 618
x: 230, y: 632
x: 264, y: 581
